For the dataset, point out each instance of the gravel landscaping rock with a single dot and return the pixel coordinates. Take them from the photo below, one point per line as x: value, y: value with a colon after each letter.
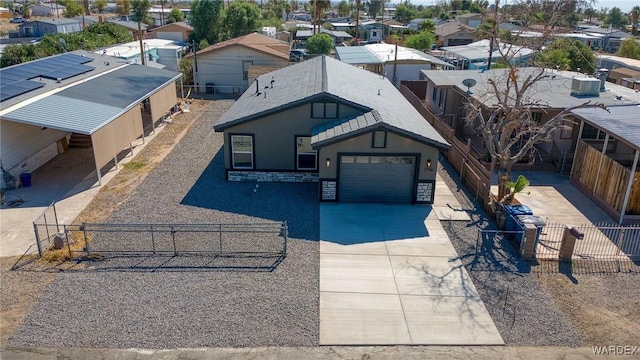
x: 105, y: 308
x: 521, y: 310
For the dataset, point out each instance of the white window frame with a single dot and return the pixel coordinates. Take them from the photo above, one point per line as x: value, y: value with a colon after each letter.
x: 234, y: 152
x: 313, y: 152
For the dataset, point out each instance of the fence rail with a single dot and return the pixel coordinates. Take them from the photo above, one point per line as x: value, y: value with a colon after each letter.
x: 267, y: 239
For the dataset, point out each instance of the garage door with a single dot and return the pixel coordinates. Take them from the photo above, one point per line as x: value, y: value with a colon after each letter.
x: 376, y: 178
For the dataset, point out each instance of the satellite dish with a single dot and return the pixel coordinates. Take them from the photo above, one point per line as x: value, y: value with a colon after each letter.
x: 469, y: 83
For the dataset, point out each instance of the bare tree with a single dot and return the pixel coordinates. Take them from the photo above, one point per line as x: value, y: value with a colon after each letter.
x: 502, y: 115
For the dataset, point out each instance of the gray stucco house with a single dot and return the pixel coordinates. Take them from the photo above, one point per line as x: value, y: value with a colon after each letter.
x: 323, y: 120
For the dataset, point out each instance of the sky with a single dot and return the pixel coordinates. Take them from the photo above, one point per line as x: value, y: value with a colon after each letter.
x: 624, y: 5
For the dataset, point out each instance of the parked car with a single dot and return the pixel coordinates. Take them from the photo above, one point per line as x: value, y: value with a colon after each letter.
x: 297, y: 55
x: 19, y: 20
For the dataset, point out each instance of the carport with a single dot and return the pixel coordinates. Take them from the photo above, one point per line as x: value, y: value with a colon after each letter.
x: 107, y: 108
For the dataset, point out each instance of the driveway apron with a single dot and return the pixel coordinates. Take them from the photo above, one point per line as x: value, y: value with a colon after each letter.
x: 389, y: 275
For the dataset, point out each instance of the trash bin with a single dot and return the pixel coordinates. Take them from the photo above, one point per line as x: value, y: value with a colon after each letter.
x: 513, y: 211
x: 25, y: 178
x: 535, y: 220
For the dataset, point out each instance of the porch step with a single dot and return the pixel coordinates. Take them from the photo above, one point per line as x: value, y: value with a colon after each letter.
x: 79, y: 141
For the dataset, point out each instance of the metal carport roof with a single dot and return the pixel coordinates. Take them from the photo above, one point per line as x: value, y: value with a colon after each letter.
x: 90, y: 105
x: 356, y: 55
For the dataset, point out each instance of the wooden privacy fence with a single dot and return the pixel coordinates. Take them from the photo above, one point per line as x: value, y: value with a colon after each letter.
x: 605, y: 178
x: 472, y: 172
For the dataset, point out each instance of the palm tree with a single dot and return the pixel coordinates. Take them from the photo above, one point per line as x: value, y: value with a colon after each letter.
x: 635, y: 14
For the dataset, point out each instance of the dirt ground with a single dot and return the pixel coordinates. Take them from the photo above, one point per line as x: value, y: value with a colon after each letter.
x: 20, y: 290
x: 605, y: 309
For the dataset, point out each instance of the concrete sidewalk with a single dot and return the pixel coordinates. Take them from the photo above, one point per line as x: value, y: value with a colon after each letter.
x: 322, y: 352
x: 389, y: 275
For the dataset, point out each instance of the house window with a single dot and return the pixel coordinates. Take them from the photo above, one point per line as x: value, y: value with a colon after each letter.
x: 245, y: 69
x: 28, y: 31
x: 379, y: 139
x: 242, y: 151
x: 590, y: 132
x: 434, y: 96
x: 306, y: 157
x: 536, y: 117
x: 441, y: 100
x: 324, y: 110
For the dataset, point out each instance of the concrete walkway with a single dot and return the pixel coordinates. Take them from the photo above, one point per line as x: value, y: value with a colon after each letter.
x: 389, y: 275
x: 70, y: 179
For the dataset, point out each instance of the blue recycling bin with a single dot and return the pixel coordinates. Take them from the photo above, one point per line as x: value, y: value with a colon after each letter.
x: 512, y: 224
x: 25, y: 178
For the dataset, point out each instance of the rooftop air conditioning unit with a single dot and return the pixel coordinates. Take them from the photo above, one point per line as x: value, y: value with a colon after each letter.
x: 585, y: 87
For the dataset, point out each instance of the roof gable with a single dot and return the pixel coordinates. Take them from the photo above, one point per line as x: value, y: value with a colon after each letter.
x: 453, y: 27
x: 321, y: 78
x: 256, y: 42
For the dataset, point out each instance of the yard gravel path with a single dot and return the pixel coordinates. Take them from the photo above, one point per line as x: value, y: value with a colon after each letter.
x: 103, y: 307
x: 521, y: 310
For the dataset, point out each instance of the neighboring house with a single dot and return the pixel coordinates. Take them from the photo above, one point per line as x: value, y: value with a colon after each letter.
x: 380, y: 30
x: 47, y: 9
x: 137, y: 30
x: 454, y: 33
x: 224, y: 67
x: 445, y: 96
x: 472, y: 20
x: 476, y: 55
x: 397, y: 63
x: 619, y: 74
x: 5, y: 13
x: 177, y: 31
x: 88, y: 20
x: 611, y: 39
x: 327, y: 121
x: 336, y: 36
x: 48, y: 103
x: 593, y: 41
x: 166, y: 53
x: 616, y: 63
x: 39, y: 28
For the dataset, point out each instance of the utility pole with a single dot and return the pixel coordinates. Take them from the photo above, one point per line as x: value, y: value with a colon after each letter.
x: 142, y: 54
x: 195, y: 62
x: 494, y: 34
x: 357, y: 22
x: 315, y: 15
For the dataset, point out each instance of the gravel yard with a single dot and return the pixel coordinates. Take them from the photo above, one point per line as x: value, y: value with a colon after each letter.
x: 522, y: 311
x: 170, y: 309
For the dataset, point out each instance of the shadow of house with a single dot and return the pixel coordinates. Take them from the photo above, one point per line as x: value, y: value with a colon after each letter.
x: 295, y: 203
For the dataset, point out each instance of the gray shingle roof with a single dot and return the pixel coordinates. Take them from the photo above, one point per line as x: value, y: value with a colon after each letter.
x: 322, y: 77
x: 90, y: 105
x: 623, y: 122
x: 344, y: 128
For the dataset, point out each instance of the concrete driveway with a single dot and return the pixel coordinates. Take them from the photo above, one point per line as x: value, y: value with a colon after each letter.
x: 389, y: 275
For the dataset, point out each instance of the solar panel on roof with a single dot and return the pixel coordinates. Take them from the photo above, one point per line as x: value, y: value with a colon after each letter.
x: 20, y: 87
x: 15, y: 80
x: 68, y: 72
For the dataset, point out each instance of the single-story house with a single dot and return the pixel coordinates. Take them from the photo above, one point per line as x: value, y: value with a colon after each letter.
x: 47, y: 9
x: 39, y: 28
x: 166, y: 53
x: 177, y: 31
x: 47, y: 103
x: 133, y: 29
x: 472, y: 20
x: 5, y: 13
x: 475, y: 56
x: 397, y: 63
x: 224, y: 67
x: 336, y: 36
x: 454, y: 33
x: 324, y: 120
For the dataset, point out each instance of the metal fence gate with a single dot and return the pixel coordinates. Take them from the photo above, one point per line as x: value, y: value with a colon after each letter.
x: 267, y: 239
